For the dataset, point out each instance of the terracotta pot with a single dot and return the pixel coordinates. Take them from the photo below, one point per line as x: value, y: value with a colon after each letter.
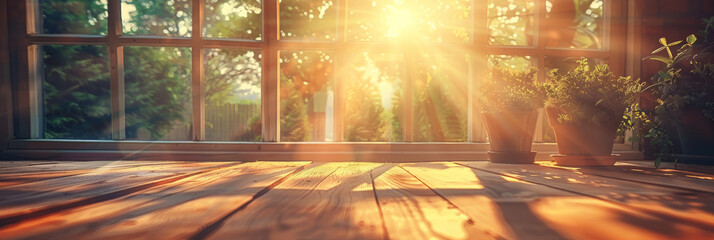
x: 582, y: 144
x: 511, y: 135
x: 696, y: 133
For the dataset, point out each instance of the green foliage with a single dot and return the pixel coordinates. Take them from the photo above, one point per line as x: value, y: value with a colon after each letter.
x: 308, y: 19
x: 157, y: 80
x: 363, y: 113
x: 76, y: 92
x: 686, y: 81
x: 588, y: 23
x: 164, y: 18
x: 511, y: 89
x: 233, y: 19
x: 303, y: 74
x: 255, y: 130
x: 594, y: 96
x: 397, y: 116
x: 74, y: 16
x: 157, y: 89
x: 294, y: 125
x: 366, y: 119
x: 441, y: 102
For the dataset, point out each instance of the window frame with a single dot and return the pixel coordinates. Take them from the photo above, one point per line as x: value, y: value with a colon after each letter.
x: 24, y: 137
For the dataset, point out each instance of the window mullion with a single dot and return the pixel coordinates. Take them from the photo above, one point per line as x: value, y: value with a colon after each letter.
x: 408, y: 97
x: 339, y: 104
x: 478, y: 61
x: 30, y: 78
x: 540, y: 63
x: 270, y: 110
x: 116, y: 66
x: 197, y: 67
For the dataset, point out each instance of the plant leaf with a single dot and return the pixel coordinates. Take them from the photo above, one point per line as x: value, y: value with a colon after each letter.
x: 658, y: 161
x: 659, y: 49
x: 674, y: 43
x: 599, y: 101
x: 665, y: 60
x: 663, y: 41
x: 691, y: 39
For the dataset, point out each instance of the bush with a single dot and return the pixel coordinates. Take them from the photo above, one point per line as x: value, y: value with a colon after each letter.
x: 594, y: 96
x: 510, y: 89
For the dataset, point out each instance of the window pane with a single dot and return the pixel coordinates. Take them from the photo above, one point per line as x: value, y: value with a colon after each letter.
x: 510, y: 22
x: 77, y: 101
x: 373, y: 98
x: 306, y: 105
x: 240, y: 19
x: 441, y: 98
x: 565, y: 64
x: 73, y: 17
x: 308, y: 19
x: 232, y: 91
x: 518, y: 63
x: 163, y: 18
x: 158, y: 93
x: 574, y: 24
x: 420, y: 20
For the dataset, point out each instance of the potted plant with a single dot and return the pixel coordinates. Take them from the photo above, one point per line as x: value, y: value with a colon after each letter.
x: 684, y: 96
x: 585, y: 108
x: 509, y: 103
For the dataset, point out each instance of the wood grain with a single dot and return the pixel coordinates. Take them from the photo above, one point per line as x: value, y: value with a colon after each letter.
x: 32, y: 197
x: 413, y: 211
x: 292, y: 200
x: 325, y: 201
x: 498, y: 206
x: 705, y: 169
x: 674, y: 178
x: 12, y: 176
x: 171, y: 211
x: 678, y: 212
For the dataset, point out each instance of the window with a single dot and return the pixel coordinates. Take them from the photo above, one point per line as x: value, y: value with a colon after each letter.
x: 291, y: 70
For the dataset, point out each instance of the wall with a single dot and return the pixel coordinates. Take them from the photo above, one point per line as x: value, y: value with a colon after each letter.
x: 672, y: 19
x: 5, y: 93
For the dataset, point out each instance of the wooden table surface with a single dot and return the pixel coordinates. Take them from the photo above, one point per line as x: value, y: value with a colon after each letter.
x: 353, y: 200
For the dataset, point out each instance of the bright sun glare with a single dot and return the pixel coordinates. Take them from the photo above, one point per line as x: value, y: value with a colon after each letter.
x: 400, y: 23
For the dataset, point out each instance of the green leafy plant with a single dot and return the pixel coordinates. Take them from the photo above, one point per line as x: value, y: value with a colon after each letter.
x: 685, y: 82
x: 592, y: 95
x: 511, y: 89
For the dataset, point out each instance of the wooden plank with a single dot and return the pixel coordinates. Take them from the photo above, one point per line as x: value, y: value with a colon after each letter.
x: 13, y: 179
x: 692, y: 212
x: 325, y: 201
x: 412, y: 211
x: 677, y: 179
x: 40, y: 196
x: 14, y: 164
x: 172, y: 211
x: 669, y: 165
x: 19, y: 167
x: 13, y: 176
x: 491, y: 201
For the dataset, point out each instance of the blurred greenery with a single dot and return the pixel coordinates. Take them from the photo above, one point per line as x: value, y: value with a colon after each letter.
x: 510, y: 22
x: 373, y: 85
x: 441, y: 98
x: 158, y: 79
x: 304, y: 74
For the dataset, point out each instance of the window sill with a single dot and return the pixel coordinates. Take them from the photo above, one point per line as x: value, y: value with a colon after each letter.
x: 268, y: 151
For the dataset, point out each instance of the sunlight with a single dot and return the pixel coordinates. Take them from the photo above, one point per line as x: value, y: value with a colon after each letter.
x: 400, y: 23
